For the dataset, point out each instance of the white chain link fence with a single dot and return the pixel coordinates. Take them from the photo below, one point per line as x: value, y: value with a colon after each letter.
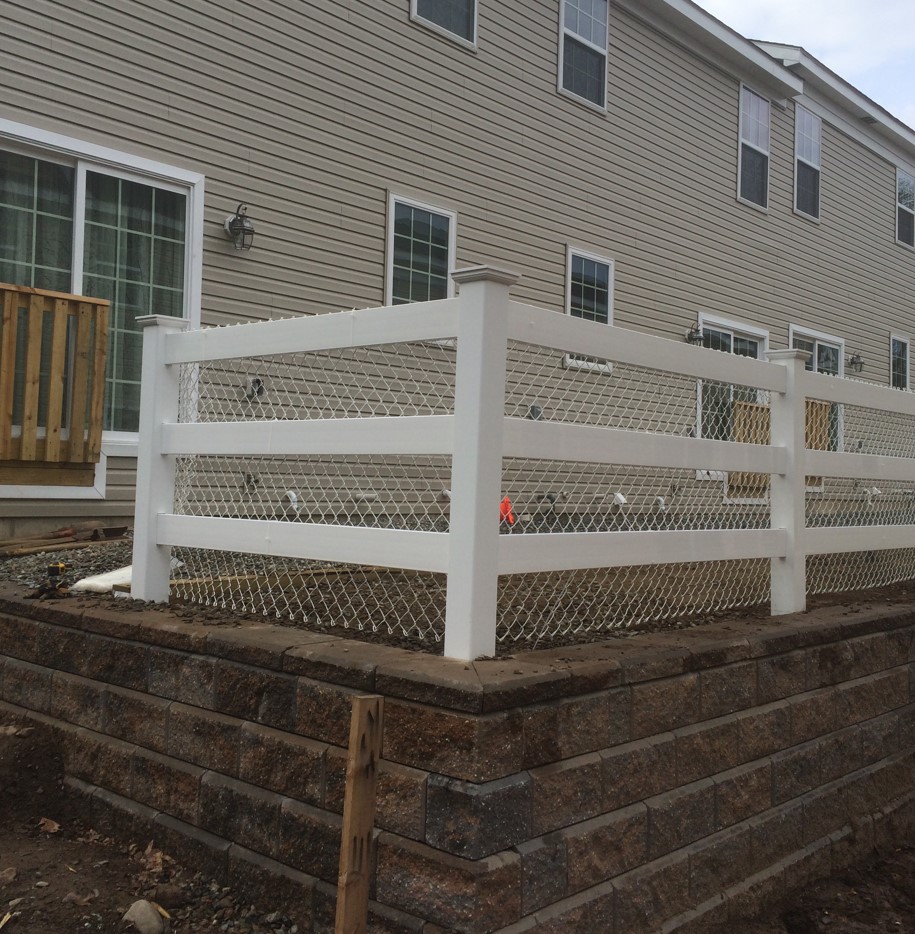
x: 543, y: 495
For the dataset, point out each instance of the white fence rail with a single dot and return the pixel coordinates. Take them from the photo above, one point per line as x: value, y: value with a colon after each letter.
x: 484, y: 328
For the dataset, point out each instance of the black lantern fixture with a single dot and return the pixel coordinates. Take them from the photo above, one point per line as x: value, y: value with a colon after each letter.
x: 694, y: 335
x: 855, y: 362
x: 240, y: 228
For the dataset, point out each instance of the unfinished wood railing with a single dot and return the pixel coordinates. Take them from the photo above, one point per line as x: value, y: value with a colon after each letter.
x: 53, y: 349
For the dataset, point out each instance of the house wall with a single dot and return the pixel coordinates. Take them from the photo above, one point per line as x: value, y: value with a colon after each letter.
x: 659, y: 781
x: 313, y: 114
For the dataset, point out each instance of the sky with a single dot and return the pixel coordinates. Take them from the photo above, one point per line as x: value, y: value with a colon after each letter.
x: 869, y: 43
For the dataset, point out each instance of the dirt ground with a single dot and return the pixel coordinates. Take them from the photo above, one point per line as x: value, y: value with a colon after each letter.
x: 58, y: 876
x: 878, y: 896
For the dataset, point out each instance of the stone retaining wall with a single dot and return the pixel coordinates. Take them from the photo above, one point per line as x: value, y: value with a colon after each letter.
x: 652, y: 783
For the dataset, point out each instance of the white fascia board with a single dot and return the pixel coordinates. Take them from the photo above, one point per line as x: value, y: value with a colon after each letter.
x: 708, y: 37
x: 873, y: 119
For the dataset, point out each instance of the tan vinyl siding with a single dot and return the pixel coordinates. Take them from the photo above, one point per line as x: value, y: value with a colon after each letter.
x: 21, y: 516
x: 311, y: 113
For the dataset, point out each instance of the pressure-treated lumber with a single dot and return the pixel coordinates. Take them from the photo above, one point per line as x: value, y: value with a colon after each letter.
x: 359, y: 814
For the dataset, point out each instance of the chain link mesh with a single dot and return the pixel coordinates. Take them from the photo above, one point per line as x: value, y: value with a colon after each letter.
x: 544, y: 495
x: 833, y: 502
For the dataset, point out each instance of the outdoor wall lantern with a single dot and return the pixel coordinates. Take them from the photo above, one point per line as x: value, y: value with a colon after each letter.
x: 694, y: 335
x: 240, y: 228
x: 855, y: 362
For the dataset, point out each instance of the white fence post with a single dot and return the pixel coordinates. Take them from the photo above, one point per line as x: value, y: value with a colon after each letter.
x: 476, y: 467
x: 155, y: 472
x: 788, y: 414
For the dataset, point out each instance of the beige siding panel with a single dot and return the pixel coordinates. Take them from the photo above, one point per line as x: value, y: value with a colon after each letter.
x: 312, y: 112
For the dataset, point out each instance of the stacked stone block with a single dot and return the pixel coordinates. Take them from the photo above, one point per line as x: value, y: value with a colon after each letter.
x: 655, y: 783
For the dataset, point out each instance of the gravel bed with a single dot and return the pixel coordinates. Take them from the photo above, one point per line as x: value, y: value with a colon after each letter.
x: 97, y: 558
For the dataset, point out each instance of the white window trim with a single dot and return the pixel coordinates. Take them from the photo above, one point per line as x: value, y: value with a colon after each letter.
x: 766, y: 152
x: 453, y: 36
x: 395, y: 198
x: 735, y: 327
x: 569, y: 361
x: 37, y: 491
x: 901, y: 171
x: 796, y: 330
x: 83, y: 156
x: 605, y: 52
x: 816, y: 219
x: 904, y: 338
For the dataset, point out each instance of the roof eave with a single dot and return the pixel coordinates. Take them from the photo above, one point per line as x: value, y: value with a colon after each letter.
x: 831, y: 86
x: 727, y: 46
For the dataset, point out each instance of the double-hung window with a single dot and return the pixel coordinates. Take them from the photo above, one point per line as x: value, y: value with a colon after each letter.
x: 753, y: 171
x: 583, y: 52
x: 456, y: 18
x: 421, y: 242
x: 807, y: 129
x: 899, y: 362
x: 70, y: 224
x: 905, y: 208
x: 589, y: 295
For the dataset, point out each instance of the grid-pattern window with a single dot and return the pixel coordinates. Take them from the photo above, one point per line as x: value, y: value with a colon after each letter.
x: 589, y: 296
x: 905, y: 208
x: 36, y: 222
x: 584, y: 50
x: 133, y: 245
x: 754, y: 148
x: 456, y: 17
x: 134, y: 256
x: 590, y: 288
x: 807, y: 131
x: 420, y: 250
x: 899, y: 362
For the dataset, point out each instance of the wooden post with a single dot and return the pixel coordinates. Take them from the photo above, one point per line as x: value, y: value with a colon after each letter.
x: 789, y: 574
x: 476, y: 464
x: 359, y: 814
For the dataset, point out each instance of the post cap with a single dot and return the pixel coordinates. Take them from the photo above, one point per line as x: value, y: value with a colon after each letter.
x: 163, y: 321
x: 776, y: 356
x: 485, y: 274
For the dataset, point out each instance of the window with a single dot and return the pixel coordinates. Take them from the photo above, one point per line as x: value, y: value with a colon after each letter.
x: 457, y: 18
x: 753, y: 172
x: 420, y: 252
x: 36, y: 222
x: 905, y: 208
x: 807, y: 162
x: 824, y: 419
x: 733, y: 413
x: 74, y: 226
x: 589, y: 295
x: 722, y: 404
x: 590, y: 291
x: 134, y: 254
x: 825, y: 354
x: 583, y: 55
x: 899, y: 362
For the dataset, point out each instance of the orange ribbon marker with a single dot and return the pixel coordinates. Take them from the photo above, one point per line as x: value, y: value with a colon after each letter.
x: 505, y: 511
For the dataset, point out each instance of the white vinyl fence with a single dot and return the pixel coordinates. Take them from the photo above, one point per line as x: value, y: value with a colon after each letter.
x: 479, y: 470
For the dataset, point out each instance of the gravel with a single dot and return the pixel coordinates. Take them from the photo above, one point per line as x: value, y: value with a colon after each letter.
x: 97, y: 558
